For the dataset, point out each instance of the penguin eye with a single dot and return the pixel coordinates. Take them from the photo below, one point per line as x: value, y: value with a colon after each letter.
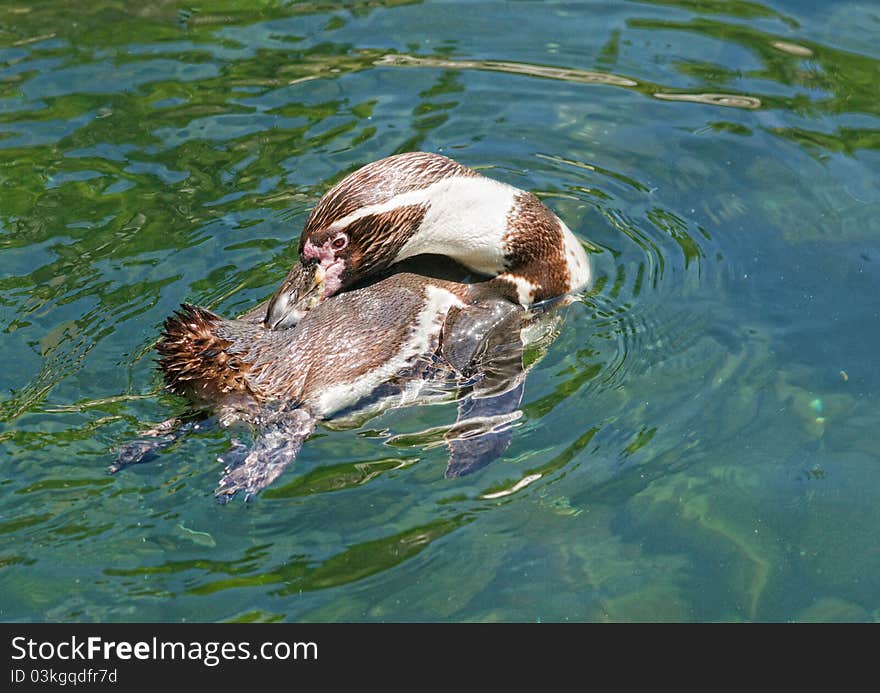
x: 339, y: 242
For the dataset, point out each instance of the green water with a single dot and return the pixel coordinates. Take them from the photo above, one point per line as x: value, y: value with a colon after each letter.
x: 700, y: 440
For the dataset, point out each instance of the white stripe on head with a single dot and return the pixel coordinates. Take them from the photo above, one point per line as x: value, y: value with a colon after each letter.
x: 466, y: 220
x: 477, y: 222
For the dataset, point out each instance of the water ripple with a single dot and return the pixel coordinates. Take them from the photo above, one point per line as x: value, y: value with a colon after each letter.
x: 568, y: 75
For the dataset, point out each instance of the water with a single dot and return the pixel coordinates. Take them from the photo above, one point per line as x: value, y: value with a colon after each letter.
x: 698, y: 443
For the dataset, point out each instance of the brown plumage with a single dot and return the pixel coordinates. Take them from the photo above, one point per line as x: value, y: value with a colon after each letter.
x: 283, y: 382
x: 381, y: 236
x: 534, y: 232
x: 215, y: 362
x: 196, y: 361
x: 423, y: 203
x: 379, y: 181
x: 395, y: 330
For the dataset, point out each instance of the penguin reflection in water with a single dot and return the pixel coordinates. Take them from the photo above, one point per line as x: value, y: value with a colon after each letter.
x: 414, y: 271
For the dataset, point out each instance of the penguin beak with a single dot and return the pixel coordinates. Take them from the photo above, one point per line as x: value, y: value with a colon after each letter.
x: 301, y: 290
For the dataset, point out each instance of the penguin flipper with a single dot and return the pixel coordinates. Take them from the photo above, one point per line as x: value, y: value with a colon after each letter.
x: 149, y: 443
x: 277, y: 443
x: 483, y: 342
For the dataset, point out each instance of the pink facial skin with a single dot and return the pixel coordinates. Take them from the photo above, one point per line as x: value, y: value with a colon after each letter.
x: 331, y: 265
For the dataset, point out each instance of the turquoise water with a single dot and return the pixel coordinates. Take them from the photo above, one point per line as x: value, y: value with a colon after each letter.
x: 699, y: 441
